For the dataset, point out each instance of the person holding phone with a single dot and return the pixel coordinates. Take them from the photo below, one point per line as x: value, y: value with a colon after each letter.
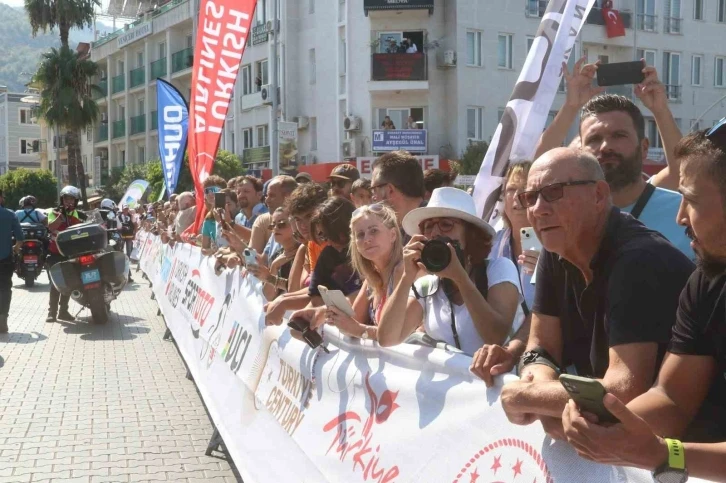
x: 688, y: 400
x: 606, y: 293
x: 212, y: 185
x: 464, y: 300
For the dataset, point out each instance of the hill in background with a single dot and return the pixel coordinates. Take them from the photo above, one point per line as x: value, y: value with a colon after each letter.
x: 20, y: 52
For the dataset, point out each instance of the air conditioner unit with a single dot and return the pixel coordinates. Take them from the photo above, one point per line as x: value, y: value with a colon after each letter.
x: 352, y: 123
x: 266, y: 94
x: 450, y: 58
x: 302, y: 122
x: 349, y: 150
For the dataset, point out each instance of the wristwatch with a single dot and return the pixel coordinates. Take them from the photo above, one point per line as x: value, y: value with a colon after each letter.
x: 674, y: 470
x: 538, y: 355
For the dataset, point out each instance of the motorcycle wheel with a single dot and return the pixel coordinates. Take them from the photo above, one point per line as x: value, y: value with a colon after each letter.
x: 29, y: 280
x: 98, y: 306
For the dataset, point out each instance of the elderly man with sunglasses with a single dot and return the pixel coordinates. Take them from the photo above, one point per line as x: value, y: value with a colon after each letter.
x: 606, y: 296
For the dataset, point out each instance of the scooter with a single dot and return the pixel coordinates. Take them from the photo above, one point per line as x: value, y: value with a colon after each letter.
x: 31, y: 260
x: 94, y: 274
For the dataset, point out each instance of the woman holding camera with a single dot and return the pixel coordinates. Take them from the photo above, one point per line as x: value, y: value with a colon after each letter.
x: 465, y: 300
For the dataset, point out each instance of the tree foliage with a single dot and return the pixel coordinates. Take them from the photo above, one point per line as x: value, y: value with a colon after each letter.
x: 22, y: 182
x: 472, y: 157
x: 46, y: 15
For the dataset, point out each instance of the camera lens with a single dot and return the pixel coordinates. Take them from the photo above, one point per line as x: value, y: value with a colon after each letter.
x: 436, y: 255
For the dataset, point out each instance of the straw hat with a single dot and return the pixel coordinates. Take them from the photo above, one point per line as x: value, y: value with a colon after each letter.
x: 446, y: 203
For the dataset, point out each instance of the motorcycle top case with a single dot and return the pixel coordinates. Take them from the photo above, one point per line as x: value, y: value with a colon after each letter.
x: 113, y: 267
x: 34, y: 231
x: 82, y: 239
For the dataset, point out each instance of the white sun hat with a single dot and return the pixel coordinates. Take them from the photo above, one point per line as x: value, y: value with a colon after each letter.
x: 446, y: 203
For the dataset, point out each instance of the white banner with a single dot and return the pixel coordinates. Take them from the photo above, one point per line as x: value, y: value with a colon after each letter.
x: 526, y: 112
x: 358, y: 414
x: 365, y: 164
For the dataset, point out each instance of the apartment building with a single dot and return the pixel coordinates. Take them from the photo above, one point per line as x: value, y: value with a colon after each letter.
x: 340, y: 76
x: 20, y: 140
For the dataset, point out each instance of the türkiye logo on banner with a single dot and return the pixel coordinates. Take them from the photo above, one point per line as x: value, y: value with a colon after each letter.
x: 505, y: 460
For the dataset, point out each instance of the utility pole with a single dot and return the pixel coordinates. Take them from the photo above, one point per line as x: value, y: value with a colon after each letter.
x: 274, y: 144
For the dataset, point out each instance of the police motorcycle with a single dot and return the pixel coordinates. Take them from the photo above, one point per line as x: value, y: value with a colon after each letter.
x: 94, y: 274
x: 30, y: 261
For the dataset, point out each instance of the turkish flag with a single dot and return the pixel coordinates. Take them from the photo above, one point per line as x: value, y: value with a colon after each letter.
x: 613, y: 22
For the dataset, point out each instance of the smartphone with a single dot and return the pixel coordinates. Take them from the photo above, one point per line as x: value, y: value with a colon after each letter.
x: 588, y: 394
x: 620, y: 73
x: 250, y: 255
x: 311, y: 337
x: 529, y: 239
x: 220, y: 200
x: 336, y: 298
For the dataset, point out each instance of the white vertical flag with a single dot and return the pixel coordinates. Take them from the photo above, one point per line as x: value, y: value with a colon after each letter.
x: 526, y: 113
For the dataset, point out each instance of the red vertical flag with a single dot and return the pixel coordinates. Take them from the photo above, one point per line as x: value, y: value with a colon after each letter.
x: 613, y: 21
x: 222, y: 32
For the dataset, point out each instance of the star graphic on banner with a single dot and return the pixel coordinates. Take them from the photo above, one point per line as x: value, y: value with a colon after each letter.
x: 474, y: 476
x: 497, y: 464
x: 517, y: 468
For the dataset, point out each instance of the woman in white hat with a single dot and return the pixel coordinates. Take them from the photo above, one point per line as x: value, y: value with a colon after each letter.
x: 469, y: 302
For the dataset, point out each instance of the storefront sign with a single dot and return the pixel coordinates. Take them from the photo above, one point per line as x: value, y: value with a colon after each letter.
x: 138, y: 32
x: 399, y: 139
x: 365, y: 164
x: 394, y: 67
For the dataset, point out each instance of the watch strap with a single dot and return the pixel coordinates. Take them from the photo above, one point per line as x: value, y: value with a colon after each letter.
x: 676, y: 454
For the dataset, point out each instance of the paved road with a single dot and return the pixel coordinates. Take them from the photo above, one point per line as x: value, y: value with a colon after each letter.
x: 87, y: 403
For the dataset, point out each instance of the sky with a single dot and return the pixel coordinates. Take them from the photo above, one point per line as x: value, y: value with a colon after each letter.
x: 104, y: 4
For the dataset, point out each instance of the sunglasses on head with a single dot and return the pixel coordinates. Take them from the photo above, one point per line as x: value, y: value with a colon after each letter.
x: 445, y: 225
x: 375, y: 208
x: 550, y: 193
x: 280, y: 224
x: 717, y: 134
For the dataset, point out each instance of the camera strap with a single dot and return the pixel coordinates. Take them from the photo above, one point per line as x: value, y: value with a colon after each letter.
x: 453, y: 326
x: 642, y: 201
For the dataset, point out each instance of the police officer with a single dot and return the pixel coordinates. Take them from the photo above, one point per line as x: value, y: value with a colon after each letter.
x: 9, y: 227
x: 61, y: 218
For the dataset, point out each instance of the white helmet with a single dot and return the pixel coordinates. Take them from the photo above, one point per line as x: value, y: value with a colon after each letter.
x: 108, y: 204
x: 71, y: 191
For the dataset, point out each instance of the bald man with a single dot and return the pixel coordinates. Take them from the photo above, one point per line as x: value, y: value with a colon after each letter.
x: 607, y: 291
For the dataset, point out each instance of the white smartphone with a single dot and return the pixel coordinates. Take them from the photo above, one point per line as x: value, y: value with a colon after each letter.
x: 336, y: 298
x: 529, y: 239
x: 250, y: 255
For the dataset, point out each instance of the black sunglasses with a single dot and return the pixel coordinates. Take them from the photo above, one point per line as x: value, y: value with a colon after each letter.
x: 550, y: 193
x: 717, y: 134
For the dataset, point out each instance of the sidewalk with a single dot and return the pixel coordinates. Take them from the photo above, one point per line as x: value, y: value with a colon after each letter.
x: 88, y: 403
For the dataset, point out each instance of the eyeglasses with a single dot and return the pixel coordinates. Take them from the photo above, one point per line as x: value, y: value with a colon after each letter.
x: 550, y: 193
x: 375, y: 208
x: 717, y: 134
x: 339, y: 183
x: 445, y: 225
x: 280, y: 224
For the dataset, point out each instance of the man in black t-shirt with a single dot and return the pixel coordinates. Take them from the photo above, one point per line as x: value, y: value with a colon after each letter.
x: 606, y: 296
x: 689, y: 397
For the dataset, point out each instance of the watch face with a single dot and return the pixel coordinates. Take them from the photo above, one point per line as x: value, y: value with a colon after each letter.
x: 671, y: 476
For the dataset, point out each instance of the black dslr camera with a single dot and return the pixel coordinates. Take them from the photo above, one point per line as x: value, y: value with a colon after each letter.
x: 436, y: 255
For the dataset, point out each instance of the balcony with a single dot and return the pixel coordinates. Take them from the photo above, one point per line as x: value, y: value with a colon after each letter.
x: 646, y: 22
x: 399, y: 72
x: 103, y: 89
x: 184, y: 59
x: 251, y: 101
x: 674, y: 92
x: 673, y: 25
x: 102, y: 133
x: 137, y: 77
x: 158, y: 68
x: 118, y: 84
x: 119, y: 129
x: 138, y: 124
x: 535, y: 8
x: 154, y: 120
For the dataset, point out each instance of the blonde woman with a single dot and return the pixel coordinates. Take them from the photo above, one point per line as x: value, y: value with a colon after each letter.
x: 376, y: 252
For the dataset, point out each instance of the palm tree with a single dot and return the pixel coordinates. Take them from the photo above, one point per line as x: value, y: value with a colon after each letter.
x: 67, y: 14
x: 64, y: 14
x: 66, y: 102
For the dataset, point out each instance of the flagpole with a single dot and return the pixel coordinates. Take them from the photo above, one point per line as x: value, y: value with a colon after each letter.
x: 274, y: 144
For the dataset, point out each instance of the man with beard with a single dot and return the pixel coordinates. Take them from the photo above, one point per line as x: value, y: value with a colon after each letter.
x: 341, y: 180
x: 689, y: 397
x: 249, y: 202
x: 612, y: 129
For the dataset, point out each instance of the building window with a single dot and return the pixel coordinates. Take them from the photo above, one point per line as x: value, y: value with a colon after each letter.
x: 29, y: 146
x: 696, y: 69
x: 246, y: 79
x: 475, y: 123
x: 261, y: 74
x: 722, y: 10
x: 504, y: 51
x: 718, y: 73
x: 651, y: 130
x: 142, y: 154
x: 530, y: 42
x: 648, y: 55
x: 313, y: 134
x: 672, y: 16
x: 672, y: 74
x: 190, y: 41
x: 646, y: 18
x: 262, y: 136
x: 399, y: 116
x: 473, y: 48
x: 88, y: 134
x: 261, y: 12
x: 162, y: 50
x: 26, y: 116
x: 697, y: 9
x: 247, y: 138
x: 311, y: 61
x: 139, y: 59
